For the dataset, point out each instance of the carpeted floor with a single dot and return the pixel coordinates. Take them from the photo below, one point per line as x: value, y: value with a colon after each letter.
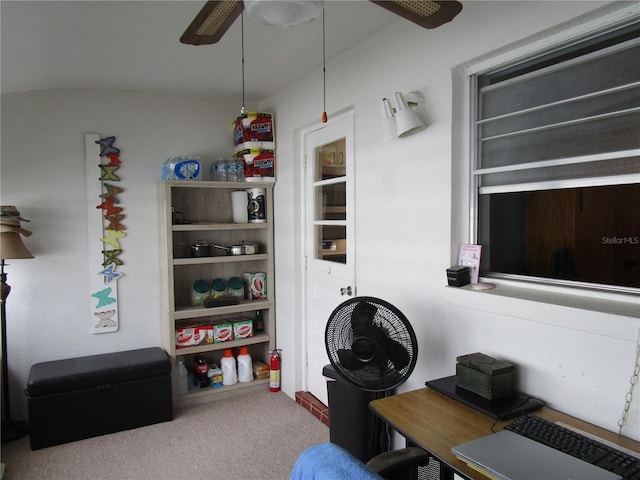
x: 251, y: 436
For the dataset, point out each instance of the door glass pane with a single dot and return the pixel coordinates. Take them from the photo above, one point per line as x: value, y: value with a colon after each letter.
x: 331, y: 243
x: 331, y: 202
x: 330, y: 160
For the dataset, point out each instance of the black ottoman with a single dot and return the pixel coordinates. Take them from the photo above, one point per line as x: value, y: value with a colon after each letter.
x: 89, y: 396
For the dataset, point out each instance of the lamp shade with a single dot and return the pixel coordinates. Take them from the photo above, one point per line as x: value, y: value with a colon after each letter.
x: 407, y: 121
x: 388, y: 122
x: 283, y: 13
x: 12, y: 246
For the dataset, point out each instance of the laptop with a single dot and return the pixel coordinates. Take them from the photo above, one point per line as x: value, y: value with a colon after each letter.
x: 505, y: 455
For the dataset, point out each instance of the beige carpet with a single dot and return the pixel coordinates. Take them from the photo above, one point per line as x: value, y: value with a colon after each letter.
x: 255, y: 435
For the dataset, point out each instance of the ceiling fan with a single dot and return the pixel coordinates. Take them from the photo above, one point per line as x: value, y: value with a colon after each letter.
x: 216, y: 16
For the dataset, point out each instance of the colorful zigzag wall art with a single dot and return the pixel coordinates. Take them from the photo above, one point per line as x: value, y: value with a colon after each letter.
x: 105, y: 230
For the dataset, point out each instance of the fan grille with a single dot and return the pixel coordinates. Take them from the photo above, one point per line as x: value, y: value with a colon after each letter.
x: 422, y: 9
x: 217, y: 17
x: 339, y: 335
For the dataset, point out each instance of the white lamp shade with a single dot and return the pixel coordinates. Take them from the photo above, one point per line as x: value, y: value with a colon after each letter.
x: 407, y: 121
x: 283, y: 13
x: 388, y: 122
x: 388, y: 129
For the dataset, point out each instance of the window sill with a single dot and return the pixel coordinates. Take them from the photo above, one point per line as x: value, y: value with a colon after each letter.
x: 627, y: 305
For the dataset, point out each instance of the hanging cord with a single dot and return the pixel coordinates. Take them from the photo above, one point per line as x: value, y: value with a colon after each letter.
x: 634, y: 382
x: 324, y: 72
x: 242, y: 109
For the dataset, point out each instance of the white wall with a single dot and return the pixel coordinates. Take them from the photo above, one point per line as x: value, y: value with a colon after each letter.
x: 579, y: 361
x: 43, y: 174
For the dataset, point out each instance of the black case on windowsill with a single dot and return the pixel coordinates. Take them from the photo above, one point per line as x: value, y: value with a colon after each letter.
x: 458, y: 276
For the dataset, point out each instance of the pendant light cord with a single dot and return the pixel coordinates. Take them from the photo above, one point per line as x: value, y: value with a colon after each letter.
x: 242, y: 109
x: 324, y: 72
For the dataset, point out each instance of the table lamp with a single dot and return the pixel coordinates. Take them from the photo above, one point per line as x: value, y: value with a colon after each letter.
x: 11, y: 247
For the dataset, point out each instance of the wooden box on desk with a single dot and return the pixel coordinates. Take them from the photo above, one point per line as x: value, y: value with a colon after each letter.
x: 485, y: 376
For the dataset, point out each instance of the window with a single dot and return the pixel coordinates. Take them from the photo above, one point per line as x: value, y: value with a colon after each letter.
x: 556, y: 164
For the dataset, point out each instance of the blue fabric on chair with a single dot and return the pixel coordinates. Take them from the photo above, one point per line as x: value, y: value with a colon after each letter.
x: 328, y: 461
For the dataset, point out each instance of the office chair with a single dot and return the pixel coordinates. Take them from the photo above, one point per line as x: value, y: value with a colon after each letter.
x: 328, y: 460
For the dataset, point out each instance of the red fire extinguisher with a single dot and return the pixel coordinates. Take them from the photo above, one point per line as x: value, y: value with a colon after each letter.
x: 274, y: 374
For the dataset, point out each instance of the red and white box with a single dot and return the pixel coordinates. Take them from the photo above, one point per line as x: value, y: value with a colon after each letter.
x: 242, y: 328
x: 222, y: 332
x: 255, y: 285
x: 193, y: 335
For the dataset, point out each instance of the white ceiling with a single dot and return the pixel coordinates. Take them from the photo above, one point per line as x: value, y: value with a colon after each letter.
x: 134, y: 45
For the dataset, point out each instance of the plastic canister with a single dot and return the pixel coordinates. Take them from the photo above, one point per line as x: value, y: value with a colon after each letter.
x: 218, y: 287
x: 236, y: 287
x: 199, y: 292
x: 245, y: 366
x: 182, y: 378
x: 228, y: 365
x: 256, y: 207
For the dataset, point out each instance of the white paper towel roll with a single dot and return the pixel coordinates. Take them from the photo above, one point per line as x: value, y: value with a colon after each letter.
x: 239, y: 201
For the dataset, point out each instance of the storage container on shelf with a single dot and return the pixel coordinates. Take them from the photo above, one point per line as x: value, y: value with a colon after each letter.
x: 228, y: 364
x: 245, y: 367
x: 218, y: 288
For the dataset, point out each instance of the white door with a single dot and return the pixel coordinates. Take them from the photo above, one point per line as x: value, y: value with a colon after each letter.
x: 329, y: 236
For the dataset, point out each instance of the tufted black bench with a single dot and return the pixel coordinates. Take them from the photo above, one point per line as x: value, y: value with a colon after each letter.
x: 84, y: 397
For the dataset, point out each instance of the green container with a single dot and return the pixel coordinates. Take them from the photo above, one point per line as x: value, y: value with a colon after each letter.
x: 485, y: 376
x: 218, y: 287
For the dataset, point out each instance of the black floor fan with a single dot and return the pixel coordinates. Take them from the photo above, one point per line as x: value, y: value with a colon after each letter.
x: 372, y: 345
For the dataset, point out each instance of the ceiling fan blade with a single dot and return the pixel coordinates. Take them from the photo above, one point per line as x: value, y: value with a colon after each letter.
x: 397, y: 354
x: 349, y: 360
x: 212, y: 22
x: 426, y: 13
x: 362, y: 316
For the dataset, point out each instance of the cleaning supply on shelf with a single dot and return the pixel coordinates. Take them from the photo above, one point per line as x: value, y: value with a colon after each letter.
x: 228, y: 364
x: 215, y: 376
x: 182, y: 378
x: 245, y: 368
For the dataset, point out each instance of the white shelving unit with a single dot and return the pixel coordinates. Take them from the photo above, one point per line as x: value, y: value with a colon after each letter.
x: 206, y: 215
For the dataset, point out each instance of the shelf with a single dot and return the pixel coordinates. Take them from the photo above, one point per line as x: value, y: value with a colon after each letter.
x: 220, y: 390
x: 335, y: 209
x: 212, y: 347
x: 206, y: 226
x: 221, y: 259
x: 186, y: 312
x: 218, y: 185
x: 208, y: 205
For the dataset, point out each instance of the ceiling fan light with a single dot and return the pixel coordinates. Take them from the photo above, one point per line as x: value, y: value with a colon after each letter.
x: 283, y: 13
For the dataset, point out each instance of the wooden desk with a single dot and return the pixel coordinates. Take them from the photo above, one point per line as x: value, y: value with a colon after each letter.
x: 436, y: 423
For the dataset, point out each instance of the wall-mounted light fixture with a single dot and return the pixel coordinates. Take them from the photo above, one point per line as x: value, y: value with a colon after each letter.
x: 401, y: 122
